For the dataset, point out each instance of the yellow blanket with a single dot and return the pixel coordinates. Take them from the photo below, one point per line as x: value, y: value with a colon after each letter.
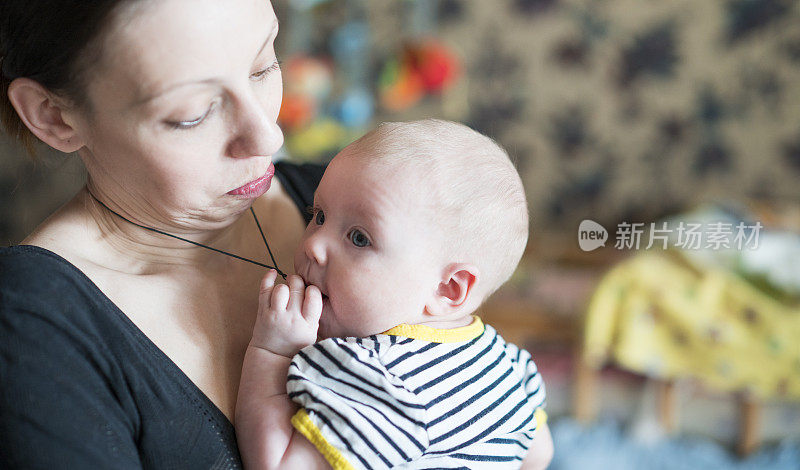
x: 655, y: 314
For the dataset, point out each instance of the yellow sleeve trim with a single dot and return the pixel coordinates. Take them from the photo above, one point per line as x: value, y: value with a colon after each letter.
x: 438, y: 335
x: 302, y: 422
x: 540, y: 415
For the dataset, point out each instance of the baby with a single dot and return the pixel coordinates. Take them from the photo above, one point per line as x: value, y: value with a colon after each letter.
x: 414, y: 226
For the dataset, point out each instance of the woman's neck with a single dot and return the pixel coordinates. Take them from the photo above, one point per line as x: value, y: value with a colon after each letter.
x: 84, y: 228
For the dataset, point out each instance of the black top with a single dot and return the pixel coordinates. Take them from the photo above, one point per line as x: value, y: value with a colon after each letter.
x: 82, y: 387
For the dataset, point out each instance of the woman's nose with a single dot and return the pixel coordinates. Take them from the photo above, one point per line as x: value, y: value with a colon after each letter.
x: 256, y: 132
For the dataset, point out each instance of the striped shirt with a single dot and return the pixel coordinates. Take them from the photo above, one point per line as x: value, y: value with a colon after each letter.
x: 417, y: 397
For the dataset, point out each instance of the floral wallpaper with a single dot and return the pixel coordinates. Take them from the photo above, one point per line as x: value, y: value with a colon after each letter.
x: 630, y: 109
x: 614, y: 110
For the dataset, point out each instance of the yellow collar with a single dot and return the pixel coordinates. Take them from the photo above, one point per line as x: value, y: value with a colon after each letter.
x: 438, y: 335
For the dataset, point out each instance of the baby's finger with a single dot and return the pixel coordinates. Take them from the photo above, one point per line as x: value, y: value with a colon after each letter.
x: 280, y: 297
x: 268, y: 282
x: 297, y: 289
x: 312, y: 305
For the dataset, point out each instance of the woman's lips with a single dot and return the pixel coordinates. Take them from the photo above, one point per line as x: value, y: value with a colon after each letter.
x: 256, y: 187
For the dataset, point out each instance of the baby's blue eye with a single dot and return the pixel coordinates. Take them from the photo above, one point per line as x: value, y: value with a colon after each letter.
x: 358, y: 238
x: 319, y: 219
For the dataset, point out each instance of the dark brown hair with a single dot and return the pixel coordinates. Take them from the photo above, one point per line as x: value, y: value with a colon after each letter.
x: 51, y: 42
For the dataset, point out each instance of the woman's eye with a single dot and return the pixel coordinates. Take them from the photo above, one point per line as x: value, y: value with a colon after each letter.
x: 319, y: 219
x: 188, y: 124
x: 358, y: 238
x: 262, y: 74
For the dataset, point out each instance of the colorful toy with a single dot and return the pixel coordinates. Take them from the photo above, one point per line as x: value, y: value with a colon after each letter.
x: 422, y: 67
x: 307, y: 84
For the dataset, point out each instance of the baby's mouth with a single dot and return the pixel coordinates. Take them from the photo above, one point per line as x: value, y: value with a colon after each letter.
x: 326, y: 300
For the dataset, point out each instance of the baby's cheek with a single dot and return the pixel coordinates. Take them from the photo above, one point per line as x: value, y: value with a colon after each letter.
x: 360, y: 321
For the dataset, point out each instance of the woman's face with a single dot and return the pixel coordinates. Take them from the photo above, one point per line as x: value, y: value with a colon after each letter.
x: 181, y: 125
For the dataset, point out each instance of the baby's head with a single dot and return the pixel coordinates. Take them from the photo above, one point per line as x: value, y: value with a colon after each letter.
x: 414, y: 223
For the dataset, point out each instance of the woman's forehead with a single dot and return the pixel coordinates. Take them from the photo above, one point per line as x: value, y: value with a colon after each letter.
x: 155, y: 45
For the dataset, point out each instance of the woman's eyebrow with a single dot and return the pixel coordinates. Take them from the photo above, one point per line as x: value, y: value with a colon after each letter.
x: 270, y: 37
x: 170, y: 88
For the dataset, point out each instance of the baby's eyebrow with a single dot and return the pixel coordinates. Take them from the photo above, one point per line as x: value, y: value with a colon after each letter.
x: 317, y: 198
x: 374, y: 221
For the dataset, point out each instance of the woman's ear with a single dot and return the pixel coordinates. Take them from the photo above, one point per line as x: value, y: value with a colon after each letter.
x: 44, y: 114
x: 454, y: 290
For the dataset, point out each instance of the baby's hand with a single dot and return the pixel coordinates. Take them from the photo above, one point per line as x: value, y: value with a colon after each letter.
x: 288, y: 316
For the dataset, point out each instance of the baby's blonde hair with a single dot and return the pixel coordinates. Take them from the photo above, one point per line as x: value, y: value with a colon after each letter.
x: 476, y: 194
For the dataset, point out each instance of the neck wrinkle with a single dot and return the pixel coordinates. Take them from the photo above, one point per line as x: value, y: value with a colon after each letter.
x: 150, y: 250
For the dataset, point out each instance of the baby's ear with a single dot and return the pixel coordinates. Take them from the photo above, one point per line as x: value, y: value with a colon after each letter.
x: 454, y: 290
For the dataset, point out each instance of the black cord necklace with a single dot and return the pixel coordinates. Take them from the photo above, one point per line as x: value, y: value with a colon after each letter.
x: 275, y: 264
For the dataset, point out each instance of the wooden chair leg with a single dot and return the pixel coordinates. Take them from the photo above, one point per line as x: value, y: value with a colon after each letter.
x: 749, y: 423
x: 666, y: 405
x: 585, y: 391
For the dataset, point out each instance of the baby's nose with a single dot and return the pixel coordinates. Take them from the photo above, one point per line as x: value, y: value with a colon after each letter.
x: 315, y: 249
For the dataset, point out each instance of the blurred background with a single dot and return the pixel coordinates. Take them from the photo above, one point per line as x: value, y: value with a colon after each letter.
x: 617, y: 111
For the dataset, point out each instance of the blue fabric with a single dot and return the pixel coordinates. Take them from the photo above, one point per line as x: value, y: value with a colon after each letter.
x: 607, y: 445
